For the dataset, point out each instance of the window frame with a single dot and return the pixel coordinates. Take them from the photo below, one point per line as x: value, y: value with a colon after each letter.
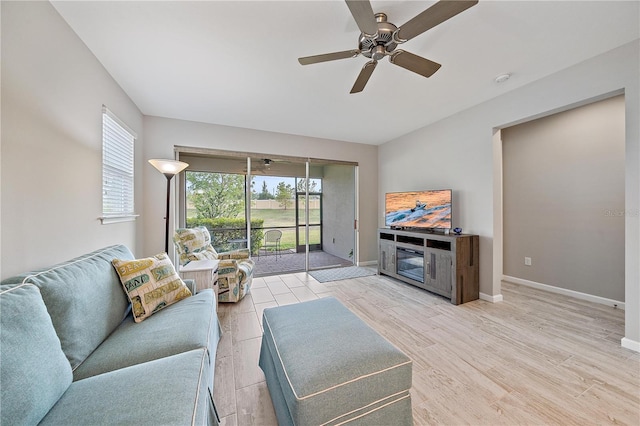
x: 118, y: 144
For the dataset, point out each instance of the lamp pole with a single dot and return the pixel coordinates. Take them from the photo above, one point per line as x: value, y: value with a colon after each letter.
x: 169, y: 168
x: 166, y: 217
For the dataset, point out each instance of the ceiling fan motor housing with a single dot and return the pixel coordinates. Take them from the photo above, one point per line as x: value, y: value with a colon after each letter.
x: 380, y: 46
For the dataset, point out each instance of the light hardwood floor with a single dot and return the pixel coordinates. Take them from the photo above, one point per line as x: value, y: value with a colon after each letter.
x: 535, y: 358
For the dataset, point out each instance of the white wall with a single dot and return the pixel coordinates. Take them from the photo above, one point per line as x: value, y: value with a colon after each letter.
x: 162, y: 134
x: 53, y: 89
x: 462, y: 153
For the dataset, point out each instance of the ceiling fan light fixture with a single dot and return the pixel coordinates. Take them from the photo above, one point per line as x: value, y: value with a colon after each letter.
x: 378, y: 53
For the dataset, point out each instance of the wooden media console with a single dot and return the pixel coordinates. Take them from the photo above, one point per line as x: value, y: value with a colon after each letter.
x: 447, y: 265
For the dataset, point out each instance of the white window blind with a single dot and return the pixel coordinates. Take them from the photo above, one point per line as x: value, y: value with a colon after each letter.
x: 117, y: 169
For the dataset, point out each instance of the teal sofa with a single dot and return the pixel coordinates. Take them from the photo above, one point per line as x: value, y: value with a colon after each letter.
x: 71, y: 353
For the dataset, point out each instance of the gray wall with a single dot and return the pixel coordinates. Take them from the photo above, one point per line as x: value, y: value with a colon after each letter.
x: 563, y: 183
x: 338, y: 210
x: 162, y: 134
x: 464, y: 152
x: 53, y: 89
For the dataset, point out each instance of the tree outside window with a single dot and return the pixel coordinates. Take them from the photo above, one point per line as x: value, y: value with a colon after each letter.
x: 215, y: 195
x: 284, y: 195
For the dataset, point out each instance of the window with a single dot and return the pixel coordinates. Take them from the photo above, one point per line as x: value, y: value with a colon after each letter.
x: 117, y: 169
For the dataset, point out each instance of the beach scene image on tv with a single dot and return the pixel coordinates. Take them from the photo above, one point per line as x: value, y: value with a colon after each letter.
x: 420, y: 209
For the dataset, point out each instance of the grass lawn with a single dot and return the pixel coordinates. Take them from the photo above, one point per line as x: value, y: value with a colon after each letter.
x: 282, y: 218
x: 274, y: 218
x: 288, y: 240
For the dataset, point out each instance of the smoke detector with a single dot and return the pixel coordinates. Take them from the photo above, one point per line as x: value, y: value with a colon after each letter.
x: 502, y: 78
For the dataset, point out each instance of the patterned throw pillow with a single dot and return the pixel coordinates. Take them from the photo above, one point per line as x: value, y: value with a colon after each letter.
x: 151, y: 284
x: 194, y: 244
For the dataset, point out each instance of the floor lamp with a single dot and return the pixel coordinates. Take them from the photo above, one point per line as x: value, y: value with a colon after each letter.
x: 169, y: 168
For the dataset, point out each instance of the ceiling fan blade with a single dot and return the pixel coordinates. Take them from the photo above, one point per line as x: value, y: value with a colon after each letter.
x: 435, y: 15
x: 414, y: 63
x: 363, y: 77
x: 307, y: 60
x: 363, y: 15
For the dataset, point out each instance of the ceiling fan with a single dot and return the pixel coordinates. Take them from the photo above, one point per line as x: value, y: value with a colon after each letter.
x: 379, y: 38
x: 260, y: 165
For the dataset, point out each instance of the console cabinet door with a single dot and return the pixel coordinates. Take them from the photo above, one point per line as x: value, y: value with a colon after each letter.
x: 387, y: 260
x: 438, y: 271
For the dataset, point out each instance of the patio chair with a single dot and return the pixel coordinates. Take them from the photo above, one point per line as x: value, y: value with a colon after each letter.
x: 271, y: 240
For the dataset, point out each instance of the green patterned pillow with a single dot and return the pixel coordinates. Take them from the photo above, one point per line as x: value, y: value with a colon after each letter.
x: 194, y: 244
x: 151, y: 284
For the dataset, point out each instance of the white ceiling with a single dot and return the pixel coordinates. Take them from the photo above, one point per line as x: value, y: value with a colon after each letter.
x: 235, y: 62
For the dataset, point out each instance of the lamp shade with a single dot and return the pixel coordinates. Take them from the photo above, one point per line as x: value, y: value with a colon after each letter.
x: 168, y: 167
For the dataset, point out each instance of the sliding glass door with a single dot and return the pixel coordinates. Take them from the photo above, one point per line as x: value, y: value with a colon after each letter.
x: 314, y: 204
x: 293, y: 214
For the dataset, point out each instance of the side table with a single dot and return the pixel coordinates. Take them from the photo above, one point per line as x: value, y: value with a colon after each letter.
x: 204, y: 273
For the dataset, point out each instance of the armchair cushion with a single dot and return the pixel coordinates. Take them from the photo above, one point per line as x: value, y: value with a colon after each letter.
x: 234, y: 254
x: 194, y: 244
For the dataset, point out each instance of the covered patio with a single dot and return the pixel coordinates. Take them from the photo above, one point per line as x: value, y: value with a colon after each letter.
x: 289, y: 261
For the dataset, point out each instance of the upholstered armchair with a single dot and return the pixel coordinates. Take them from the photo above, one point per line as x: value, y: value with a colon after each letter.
x: 235, y: 270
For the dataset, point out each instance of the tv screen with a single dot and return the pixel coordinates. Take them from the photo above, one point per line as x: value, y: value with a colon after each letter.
x: 418, y: 209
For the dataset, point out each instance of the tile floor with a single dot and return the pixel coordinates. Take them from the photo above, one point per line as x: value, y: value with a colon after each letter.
x: 535, y: 358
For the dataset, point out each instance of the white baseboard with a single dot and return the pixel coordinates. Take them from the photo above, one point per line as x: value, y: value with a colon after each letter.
x: 368, y: 263
x: 493, y: 299
x: 565, y: 292
x: 630, y: 344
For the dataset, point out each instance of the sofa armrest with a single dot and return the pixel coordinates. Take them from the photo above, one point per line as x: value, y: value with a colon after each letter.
x: 191, y: 285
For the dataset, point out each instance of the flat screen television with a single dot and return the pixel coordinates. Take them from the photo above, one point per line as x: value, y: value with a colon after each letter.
x: 418, y: 209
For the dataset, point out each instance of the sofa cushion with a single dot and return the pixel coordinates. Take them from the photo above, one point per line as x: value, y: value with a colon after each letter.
x: 166, y: 391
x: 190, y: 324
x: 151, y: 284
x: 194, y: 244
x: 84, y: 299
x: 34, y: 372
